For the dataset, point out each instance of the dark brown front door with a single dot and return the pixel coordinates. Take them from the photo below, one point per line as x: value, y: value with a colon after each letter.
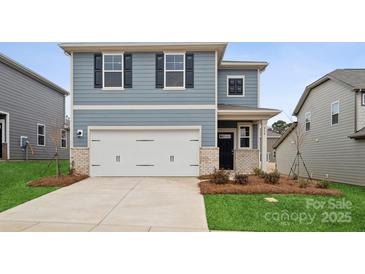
x: 226, y: 144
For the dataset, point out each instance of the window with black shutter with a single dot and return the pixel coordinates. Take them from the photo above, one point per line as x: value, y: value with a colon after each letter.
x: 174, y: 70
x: 160, y: 70
x: 189, y: 70
x: 113, y: 71
x: 128, y: 79
x: 235, y: 85
x: 98, y: 70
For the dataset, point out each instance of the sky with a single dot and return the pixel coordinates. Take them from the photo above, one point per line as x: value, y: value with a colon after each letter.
x: 292, y: 66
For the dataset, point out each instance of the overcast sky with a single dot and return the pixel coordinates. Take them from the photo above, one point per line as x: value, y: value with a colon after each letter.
x: 292, y: 66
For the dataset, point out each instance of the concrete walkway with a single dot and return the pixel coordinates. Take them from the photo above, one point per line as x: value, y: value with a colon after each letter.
x: 113, y: 204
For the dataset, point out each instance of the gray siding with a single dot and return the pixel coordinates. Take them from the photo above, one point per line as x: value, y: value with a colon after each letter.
x: 234, y: 124
x: 360, y: 112
x: 327, y: 149
x: 270, y: 150
x: 144, y: 91
x: 251, y: 88
x: 204, y: 118
x: 29, y: 102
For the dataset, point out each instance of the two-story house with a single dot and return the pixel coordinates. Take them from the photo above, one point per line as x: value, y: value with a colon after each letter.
x: 164, y: 109
x: 32, y: 115
x: 330, y: 129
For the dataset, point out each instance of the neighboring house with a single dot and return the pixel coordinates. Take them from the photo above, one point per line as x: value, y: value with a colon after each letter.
x: 331, y: 122
x: 164, y: 109
x: 32, y: 110
x: 272, y: 138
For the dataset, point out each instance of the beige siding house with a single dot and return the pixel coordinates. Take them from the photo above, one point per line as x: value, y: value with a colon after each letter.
x: 331, y: 124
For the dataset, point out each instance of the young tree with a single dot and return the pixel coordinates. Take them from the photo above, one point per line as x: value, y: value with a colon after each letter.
x: 56, y: 131
x: 298, y: 137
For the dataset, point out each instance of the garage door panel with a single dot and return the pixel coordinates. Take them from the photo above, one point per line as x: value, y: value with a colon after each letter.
x: 145, y: 152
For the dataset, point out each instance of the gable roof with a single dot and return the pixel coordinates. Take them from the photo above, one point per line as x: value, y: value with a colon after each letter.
x: 272, y: 134
x: 145, y: 47
x: 220, y: 47
x: 285, y: 134
x: 28, y: 72
x: 353, y: 78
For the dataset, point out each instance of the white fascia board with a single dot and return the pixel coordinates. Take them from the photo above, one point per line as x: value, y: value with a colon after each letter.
x: 141, y: 107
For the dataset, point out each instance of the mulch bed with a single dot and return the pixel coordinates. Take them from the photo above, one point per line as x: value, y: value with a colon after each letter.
x: 60, y: 181
x: 257, y: 185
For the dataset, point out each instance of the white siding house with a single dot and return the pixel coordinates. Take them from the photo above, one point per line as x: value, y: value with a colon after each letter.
x: 333, y: 145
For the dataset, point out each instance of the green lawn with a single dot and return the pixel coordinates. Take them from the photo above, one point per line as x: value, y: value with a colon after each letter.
x: 15, y: 174
x: 291, y: 213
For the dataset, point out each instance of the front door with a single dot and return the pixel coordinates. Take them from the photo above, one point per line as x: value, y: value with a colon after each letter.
x: 226, y: 145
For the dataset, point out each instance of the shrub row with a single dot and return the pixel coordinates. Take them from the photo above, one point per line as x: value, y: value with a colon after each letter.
x: 270, y: 178
x: 222, y: 177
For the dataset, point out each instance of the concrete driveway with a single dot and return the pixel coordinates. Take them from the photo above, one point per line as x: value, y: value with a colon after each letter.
x: 113, y: 204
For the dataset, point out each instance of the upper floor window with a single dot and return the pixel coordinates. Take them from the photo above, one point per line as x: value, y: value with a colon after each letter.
x: 112, y: 71
x: 335, y: 110
x: 63, y: 138
x: 174, y: 70
x: 235, y: 85
x: 363, y: 98
x: 41, y: 135
x: 308, y: 118
x: 245, y: 136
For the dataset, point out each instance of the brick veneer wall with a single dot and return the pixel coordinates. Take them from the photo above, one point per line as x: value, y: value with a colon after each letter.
x: 209, y: 160
x: 80, y: 160
x: 4, y: 151
x: 246, y: 160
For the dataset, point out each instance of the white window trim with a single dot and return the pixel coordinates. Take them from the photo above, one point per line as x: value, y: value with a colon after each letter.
x: 122, y: 71
x: 7, y: 132
x: 239, y: 125
x: 309, y: 119
x: 41, y: 135
x: 335, y: 102
x: 21, y: 138
x: 2, y: 122
x: 243, y: 85
x: 183, y: 70
x: 363, y: 98
x: 63, y: 138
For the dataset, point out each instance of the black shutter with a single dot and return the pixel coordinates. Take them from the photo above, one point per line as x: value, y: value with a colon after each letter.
x: 160, y: 70
x: 98, y: 70
x: 189, y: 70
x: 231, y: 83
x: 128, y: 79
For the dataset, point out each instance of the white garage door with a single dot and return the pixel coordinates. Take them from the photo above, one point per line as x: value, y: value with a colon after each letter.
x: 144, y: 152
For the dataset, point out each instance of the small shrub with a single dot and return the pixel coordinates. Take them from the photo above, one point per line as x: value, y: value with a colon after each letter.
x: 272, y: 177
x: 323, y: 184
x: 259, y: 172
x: 256, y: 171
x: 241, y: 178
x: 303, y: 183
x: 219, y: 177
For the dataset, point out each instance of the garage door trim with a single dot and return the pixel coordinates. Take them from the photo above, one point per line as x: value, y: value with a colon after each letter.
x: 136, y: 128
